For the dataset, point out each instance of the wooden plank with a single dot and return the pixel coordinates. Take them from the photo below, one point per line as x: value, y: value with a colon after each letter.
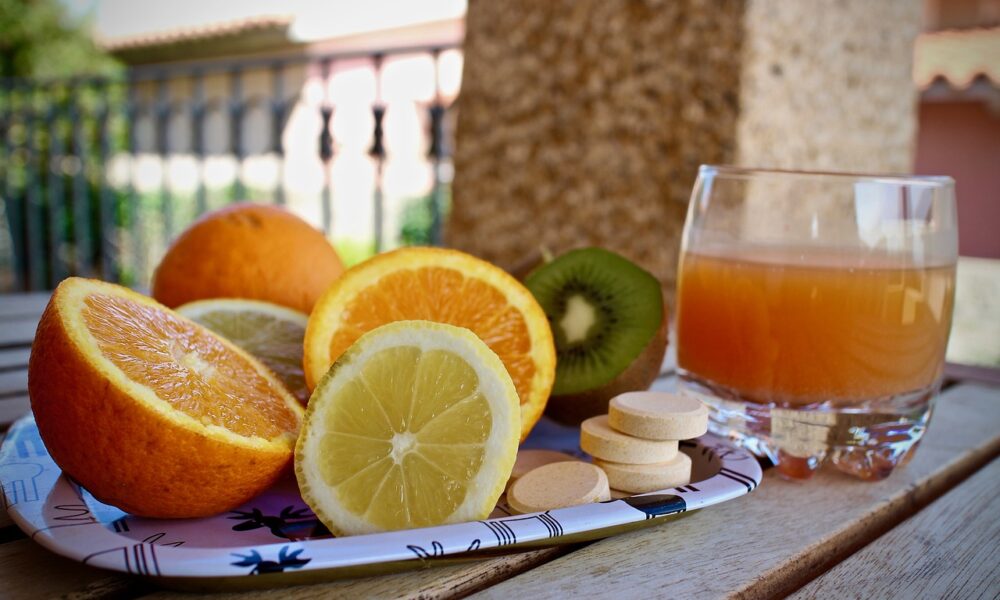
x: 28, y: 570
x: 947, y: 550
x: 5, y: 522
x: 31, y: 571
x: 783, y: 534
x: 444, y: 582
x: 14, y: 382
x: 14, y: 358
x: 969, y: 373
x: 737, y: 546
x: 16, y: 306
x: 12, y: 409
x: 17, y: 333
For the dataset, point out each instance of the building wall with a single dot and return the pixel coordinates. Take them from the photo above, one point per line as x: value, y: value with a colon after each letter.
x: 829, y: 86
x: 584, y: 122
x: 962, y: 140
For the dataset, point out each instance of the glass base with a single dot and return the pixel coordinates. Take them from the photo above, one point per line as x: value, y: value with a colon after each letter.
x: 867, y: 441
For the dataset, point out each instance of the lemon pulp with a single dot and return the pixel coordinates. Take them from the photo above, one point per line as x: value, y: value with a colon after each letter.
x: 416, y: 425
x: 270, y: 332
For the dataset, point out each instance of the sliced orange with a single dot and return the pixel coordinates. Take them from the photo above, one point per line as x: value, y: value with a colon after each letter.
x: 150, y: 411
x: 446, y: 286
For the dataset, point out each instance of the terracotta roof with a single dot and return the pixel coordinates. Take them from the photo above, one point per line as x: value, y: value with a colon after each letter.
x: 958, y: 57
x: 198, y: 33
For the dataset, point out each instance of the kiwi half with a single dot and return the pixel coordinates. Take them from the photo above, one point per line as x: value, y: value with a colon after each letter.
x: 608, y: 321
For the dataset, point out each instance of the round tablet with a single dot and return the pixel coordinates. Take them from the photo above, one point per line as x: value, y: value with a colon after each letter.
x: 658, y: 415
x: 639, y: 479
x: 618, y: 494
x: 529, y: 460
x: 558, y: 485
x: 599, y: 440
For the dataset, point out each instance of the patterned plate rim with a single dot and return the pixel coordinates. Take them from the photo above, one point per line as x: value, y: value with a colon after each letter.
x: 33, y: 486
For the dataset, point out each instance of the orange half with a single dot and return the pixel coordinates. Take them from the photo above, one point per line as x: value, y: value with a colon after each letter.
x: 150, y: 411
x: 446, y: 286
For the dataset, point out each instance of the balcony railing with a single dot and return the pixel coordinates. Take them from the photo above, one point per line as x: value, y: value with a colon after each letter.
x: 98, y: 174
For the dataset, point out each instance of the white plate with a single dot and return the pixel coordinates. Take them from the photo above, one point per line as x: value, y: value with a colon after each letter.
x: 278, y: 539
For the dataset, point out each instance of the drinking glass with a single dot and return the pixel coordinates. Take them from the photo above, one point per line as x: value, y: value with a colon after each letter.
x: 813, y: 312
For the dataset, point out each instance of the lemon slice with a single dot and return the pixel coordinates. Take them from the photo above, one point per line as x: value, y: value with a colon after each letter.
x: 444, y: 286
x: 270, y: 332
x: 416, y: 424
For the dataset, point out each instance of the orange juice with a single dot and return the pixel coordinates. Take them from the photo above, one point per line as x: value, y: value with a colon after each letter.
x: 772, y: 326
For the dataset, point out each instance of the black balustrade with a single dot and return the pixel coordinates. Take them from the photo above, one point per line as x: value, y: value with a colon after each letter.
x: 326, y: 146
x: 72, y: 151
x: 377, y: 152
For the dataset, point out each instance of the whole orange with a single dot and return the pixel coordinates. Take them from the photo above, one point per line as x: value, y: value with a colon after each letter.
x: 249, y: 251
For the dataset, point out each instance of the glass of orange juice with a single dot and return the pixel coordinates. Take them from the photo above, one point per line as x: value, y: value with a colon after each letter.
x: 813, y: 312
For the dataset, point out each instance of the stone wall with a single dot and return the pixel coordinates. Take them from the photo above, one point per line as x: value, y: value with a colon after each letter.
x: 829, y: 85
x: 584, y: 121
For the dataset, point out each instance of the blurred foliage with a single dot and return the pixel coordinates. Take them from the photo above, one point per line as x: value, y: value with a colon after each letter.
x: 56, y: 140
x: 417, y: 221
x: 59, y: 124
x: 63, y: 114
x: 353, y: 251
x: 39, y: 39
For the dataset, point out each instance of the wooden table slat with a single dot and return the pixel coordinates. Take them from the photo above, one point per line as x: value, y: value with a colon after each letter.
x: 14, y: 382
x: 971, y: 373
x: 5, y: 521
x: 443, y: 582
x: 21, y: 306
x: 12, y: 409
x: 784, y: 533
x: 14, y: 358
x: 15, y: 334
x: 25, y: 565
x: 798, y: 528
x: 948, y: 550
x: 31, y: 571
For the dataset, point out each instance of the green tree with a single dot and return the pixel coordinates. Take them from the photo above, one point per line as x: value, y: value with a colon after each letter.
x: 417, y: 219
x: 39, y: 39
x: 51, y: 176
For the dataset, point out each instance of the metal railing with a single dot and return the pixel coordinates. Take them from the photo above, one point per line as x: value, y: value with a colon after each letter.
x: 69, y: 151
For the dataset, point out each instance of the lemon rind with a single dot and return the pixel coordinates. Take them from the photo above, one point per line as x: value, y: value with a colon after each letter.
x: 323, y: 322
x: 495, y: 384
x: 199, y: 308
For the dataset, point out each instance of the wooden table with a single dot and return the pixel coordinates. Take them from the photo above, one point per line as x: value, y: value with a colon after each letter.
x: 932, y: 529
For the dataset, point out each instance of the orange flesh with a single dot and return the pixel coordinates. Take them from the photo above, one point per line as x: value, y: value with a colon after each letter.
x: 187, y: 367
x: 445, y: 296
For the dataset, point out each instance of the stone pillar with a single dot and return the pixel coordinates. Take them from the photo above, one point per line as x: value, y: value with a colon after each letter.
x: 584, y: 121
x: 829, y: 85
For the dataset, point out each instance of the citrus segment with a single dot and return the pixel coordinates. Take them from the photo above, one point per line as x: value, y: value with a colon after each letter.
x: 150, y: 411
x: 444, y: 286
x: 417, y: 424
x: 272, y: 333
x: 187, y: 367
